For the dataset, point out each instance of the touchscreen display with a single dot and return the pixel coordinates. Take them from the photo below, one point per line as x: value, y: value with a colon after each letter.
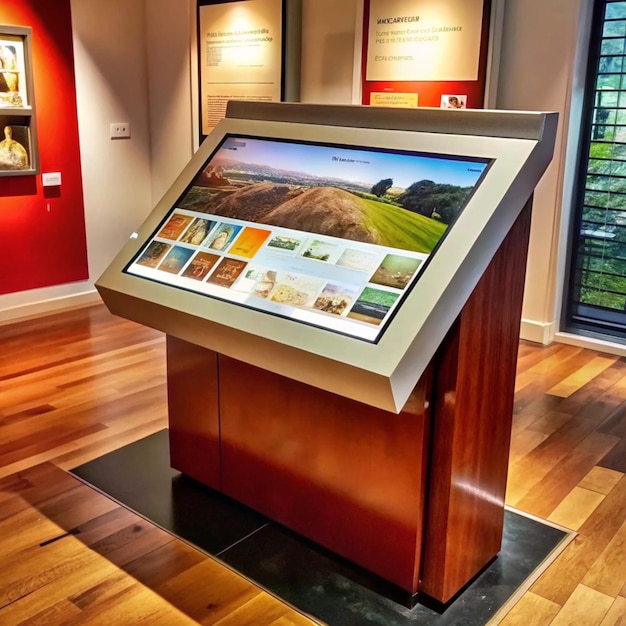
x: 328, y: 235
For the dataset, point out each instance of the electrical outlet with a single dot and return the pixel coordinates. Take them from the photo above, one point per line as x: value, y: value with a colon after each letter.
x: 119, y: 130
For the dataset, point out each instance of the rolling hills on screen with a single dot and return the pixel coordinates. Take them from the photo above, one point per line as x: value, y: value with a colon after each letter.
x: 322, y: 210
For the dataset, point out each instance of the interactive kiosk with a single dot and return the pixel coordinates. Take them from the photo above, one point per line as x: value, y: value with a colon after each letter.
x: 341, y: 290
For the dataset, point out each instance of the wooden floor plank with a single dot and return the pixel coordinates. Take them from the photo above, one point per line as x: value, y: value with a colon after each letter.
x: 608, y: 573
x: 261, y: 608
x: 568, y: 571
x: 582, y: 376
x: 601, y: 479
x: 59, y: 592
x: 84, y: 559
x: 574, y: 510
x: 615, y: 458
x: 525, y: 442
x: 529, y: 356
x: 531, y: 610
x: 60, y: 613
x: 585, y: 607
x: 226, y: 594
x: 565, y: 474
x: 596, y: 391
x: 617, y: 613
x: 550, y: 422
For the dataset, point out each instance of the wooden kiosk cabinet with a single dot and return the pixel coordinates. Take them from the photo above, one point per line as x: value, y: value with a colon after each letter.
x: 341, y: 289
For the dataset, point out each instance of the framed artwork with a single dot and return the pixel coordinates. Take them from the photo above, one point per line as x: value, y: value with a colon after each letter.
x: 13, y: 76
x: 18, y: 143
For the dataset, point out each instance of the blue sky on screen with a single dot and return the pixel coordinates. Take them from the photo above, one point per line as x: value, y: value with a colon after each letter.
x: 355, y: 165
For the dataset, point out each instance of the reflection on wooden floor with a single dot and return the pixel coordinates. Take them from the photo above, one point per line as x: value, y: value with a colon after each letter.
x: 78, y: 384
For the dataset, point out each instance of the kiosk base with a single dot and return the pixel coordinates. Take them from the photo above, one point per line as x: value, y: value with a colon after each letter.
x: 417, y: 498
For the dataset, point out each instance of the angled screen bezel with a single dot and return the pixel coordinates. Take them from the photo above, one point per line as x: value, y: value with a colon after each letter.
x: 382, y: 374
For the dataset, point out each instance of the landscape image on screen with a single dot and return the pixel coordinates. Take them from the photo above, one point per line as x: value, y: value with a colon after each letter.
x: 401, y: 200
x: 327, y: 235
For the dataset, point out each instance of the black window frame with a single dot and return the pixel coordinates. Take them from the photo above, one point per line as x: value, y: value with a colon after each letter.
x: 587, y: 239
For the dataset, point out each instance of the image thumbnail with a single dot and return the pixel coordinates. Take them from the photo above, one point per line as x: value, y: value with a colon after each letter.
x: 175, y: 226
x: 372, y: 305
x: 321, y: 251
x: 334, y: 299
x: 153, y: 254
x: 176, y: 259
x: 395, y: 271
x: 201, y: 265
x: 281, y: 242
x: 358, y: 260
x: 256, y: 282
x: 249, y: 242
x: 222, y: 236
x: 295, y: 289
x: 198, y: 231
x: 227, y: 272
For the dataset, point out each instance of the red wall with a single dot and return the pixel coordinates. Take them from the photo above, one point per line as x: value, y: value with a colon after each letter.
x: 42, y: 232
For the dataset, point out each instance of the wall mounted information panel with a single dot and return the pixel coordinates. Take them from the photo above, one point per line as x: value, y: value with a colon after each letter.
x: 329, y: 244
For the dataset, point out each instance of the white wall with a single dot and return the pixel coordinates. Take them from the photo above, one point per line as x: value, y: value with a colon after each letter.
x: 169, y: 24
x: 327, y: 51
x: 111, y: 86
x: 543, y: 52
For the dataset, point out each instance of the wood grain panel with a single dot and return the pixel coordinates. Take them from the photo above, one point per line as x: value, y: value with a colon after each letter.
x: 194, y: 420
x: 347, y: 475
x: 473, y: 403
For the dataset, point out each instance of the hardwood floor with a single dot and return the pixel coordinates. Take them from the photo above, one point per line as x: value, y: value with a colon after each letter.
x: 78, y: 384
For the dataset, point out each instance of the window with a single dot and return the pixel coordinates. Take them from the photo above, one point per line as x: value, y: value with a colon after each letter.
x: 596, y: 295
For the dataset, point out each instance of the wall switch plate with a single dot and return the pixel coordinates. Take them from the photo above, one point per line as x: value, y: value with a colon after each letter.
x: 51, y: 179
x: 119, y: 130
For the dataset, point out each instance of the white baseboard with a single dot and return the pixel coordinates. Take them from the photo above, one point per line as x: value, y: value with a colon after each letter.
x: 548, y: 333
x: 538, y: 332
x: 52, y: 305
x: 591, y: 343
